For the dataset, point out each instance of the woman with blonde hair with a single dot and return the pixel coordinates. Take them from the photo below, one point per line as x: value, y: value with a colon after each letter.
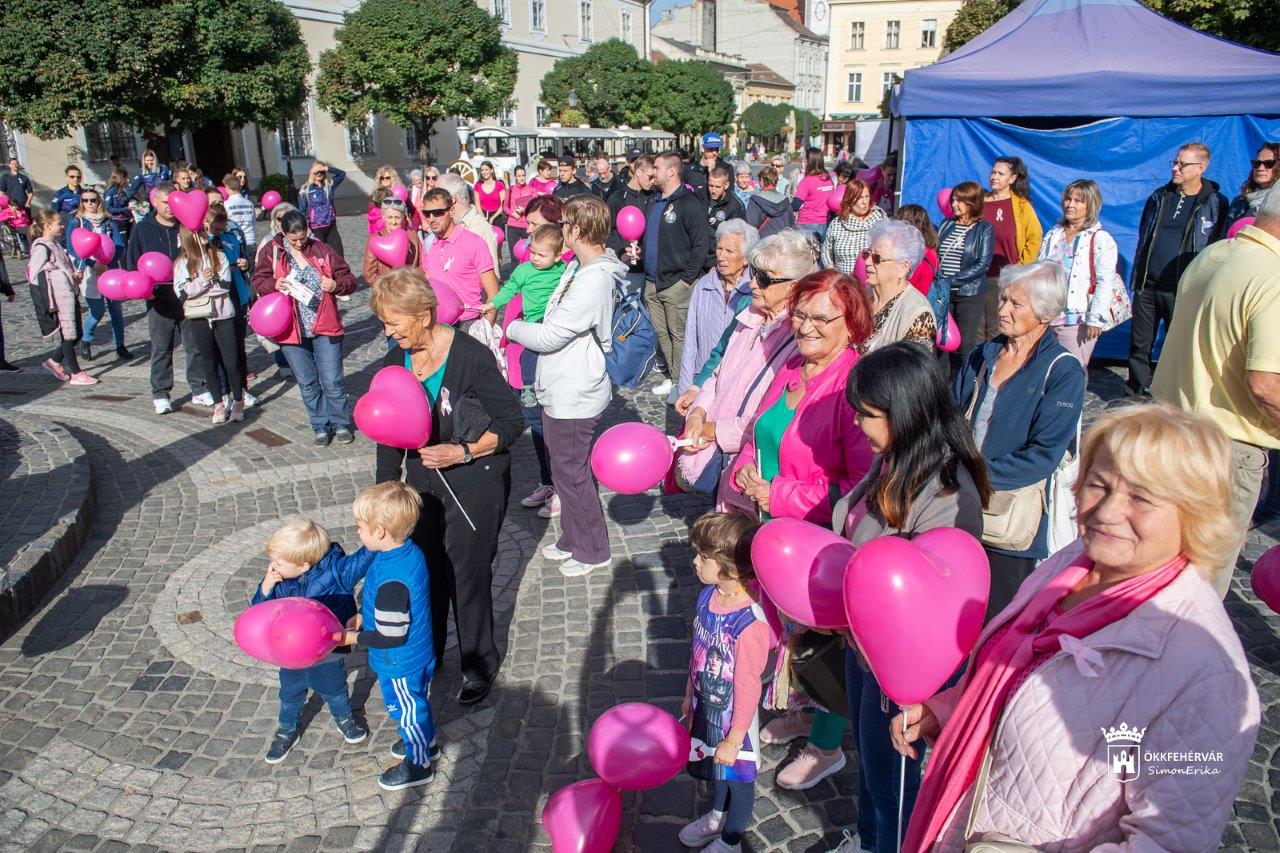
x: 1115, y: 653
x: 55, y: 298
x: 315, y: 200
x: 202, y: 281
x: 383, y: 180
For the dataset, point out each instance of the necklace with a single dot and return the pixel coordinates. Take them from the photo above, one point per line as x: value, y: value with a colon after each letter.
x: 422, y: 360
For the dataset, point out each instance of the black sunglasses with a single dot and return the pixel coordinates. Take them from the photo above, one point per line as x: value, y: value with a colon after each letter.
x: 89, y: 199
x: 875, y: 257
x: 765, y: 280
x: 434, y: 212
x: 1266, y: 164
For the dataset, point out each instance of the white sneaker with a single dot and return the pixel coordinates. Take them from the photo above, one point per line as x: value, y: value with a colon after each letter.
x: 662, y: 389
x: 249, y: 400
x: 344, y: 298
x: 537, y: 497
x: 701, y: 832
x: 205, y: 399
x: 551, y: 552
x: 163, y: 406
x: 718, y: 846
x: 550, y: 509
x: 851, y: 843
x: 571, y: 568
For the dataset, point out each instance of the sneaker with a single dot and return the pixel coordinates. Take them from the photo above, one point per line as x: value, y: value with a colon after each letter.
x: 850, y: 844
x: 433, y: 751
x: 572, y: 568
x: 82, y: 378
x: 343, y: 435
x: 405, y: 775
x: 719, y: 846
x: 352, y: 731
x: 322, y: 439
x: 791, y: 725
x: 550, y: 509
x: 249, y: 400
x: 55, y: 368
x: 281, y: 745
x: 86, y: 351
x: 163, y: 406
x: 345, y: 298
x: 538, y: 497
x: 123, y: 353
x: 703, y: 830
x: 203, y: 399
x: 551, y: 552
x: 810, y: 767
x: 4, y: 365
x: 237, y: 411
x: 662, y: 389
x: 219, y: 414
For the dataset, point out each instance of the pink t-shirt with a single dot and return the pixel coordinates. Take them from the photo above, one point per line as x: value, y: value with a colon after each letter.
x: 813, y: 191
x: 518, y: 198
x: 542, y: 187
x: 489, y: 201
x: 457, y: 262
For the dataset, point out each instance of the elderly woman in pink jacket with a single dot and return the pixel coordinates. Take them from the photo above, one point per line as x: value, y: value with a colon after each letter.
x: 1109, y: 706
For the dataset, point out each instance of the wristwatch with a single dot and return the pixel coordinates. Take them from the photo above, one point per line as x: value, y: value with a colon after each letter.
x: 466, y: 453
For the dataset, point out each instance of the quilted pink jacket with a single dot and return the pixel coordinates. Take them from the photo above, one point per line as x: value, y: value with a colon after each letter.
x: 1174, y: 667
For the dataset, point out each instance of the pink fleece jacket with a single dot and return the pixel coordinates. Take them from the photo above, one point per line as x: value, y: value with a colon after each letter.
x: 823, y: 454
x: 1173, y: 668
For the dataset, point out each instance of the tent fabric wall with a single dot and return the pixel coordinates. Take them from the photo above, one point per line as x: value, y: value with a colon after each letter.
x: 1127, y: 157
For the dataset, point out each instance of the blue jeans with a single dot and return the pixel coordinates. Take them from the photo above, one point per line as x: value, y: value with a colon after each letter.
x: 317, y: 367
x: 408, y: 706
x: 878, y: 762
x: 533, y: 414
x: 98, y: 307
x: 818, y: 230
x: 328, y: 678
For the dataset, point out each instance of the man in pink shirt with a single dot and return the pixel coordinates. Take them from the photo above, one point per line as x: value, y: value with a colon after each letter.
x: 455, y: 257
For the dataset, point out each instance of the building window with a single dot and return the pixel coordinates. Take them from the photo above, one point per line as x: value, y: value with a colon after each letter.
x: 506, y: 118
x: 627, y: 33
x: 543, y: 115
x: 299, y: 132
x: 584, y: 20
x: 502, y: 11
x: 890, y: 77
x: 362, y: 140
x: 104, y: 138
x: 8, y: 143
x: 855, y: 88
x: 538, y: 15
x: 859, y: 40
x: 929, y: 33
x: 892, y: 32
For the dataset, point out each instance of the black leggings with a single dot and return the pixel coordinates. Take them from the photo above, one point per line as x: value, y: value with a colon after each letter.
x: 737, y: 800
x: 328, y: 234
x: 65, y: 354
x: 215, y: 342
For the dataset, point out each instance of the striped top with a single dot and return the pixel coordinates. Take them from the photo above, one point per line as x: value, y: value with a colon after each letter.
x: 951, y: 253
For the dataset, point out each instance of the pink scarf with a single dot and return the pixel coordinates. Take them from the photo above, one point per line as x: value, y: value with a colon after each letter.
x: 1004, y: 661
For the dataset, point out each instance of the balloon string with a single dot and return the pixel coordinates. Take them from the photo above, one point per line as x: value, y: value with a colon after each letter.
x: 681, y: 442
x: 461, y: 508
x: 902, y: 780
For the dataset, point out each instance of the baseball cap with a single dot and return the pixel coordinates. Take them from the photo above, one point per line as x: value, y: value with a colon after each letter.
x: 711, y: 139
x: 633, y: 153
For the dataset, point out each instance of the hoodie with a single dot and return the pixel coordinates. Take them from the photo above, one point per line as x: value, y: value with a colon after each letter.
x: 572, y: 339
x: 150, y: 236
x: 770, y: 211
x: 677, y: 240
x: 622, y: 197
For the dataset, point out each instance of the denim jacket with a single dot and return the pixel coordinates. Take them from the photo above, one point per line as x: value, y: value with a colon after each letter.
x: 979, y: 246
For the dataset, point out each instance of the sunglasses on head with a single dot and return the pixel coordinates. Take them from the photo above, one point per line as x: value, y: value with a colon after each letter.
x: 434, y: 212
x: 765, y: 280
x: 1265, y: 164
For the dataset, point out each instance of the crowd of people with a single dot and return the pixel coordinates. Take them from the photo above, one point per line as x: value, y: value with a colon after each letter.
x: 802, y: 323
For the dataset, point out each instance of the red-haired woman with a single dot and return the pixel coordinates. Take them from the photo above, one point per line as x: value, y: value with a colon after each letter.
x: 849, y: 233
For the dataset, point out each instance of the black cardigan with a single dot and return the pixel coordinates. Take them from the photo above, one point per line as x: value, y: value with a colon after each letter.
x: 470, y: 371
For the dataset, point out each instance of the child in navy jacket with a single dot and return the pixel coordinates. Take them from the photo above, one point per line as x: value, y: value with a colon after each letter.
x: 304, y: 563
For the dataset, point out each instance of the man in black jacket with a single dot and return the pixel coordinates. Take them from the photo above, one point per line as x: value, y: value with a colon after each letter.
x: 722, y: 204
x: 606, y: 182
x: 569, y: 184
x: 1178, y: 221
x: 699, y: 172
x: 677, y: 243
x: 636, y: 192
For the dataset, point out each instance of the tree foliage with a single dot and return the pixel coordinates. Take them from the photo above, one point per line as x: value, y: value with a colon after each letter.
x: 611, y: 80
x: 177, y: 63
x: 416, y: 63
x: 689, y: 96
x: 764, y: 121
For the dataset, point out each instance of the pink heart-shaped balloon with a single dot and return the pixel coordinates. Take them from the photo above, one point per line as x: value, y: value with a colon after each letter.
x: 157, y: 267
x: 224, y: 192
x: 392, y: 249
x: 138, y: 285
x: 944, y: 203
x: 512, y: 350
x: 449, y: 305
x: 400, y: 192
x: 1265, y: 578
x: 520, y: 251
x: 85, y: 242
x: 835, y: 198
x: 631, y: 458
x: 250, y: 630
x: 636, y: 746
x: 499, y: 235
x: 301, y: 634
x: 272, y: 315
x: 583, y: 817
x: 111, y: 285
x: 1240, y: 224
x: 394, y: 411
x: 916, y: 608
x: 801, y: 567
x: 951, y: 341
x: 106, y: 249
x: 189, y: 208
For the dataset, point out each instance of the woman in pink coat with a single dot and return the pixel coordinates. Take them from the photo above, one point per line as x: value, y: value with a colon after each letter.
x: 1110, y: 705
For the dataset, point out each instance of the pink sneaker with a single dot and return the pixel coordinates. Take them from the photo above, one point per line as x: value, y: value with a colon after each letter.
x: 55, y: 368
x: 219, y: 414
x: 791, y: 725
x: 237, y: 411
x: 550, y: 509
x: 810, y: 767
x: 82, y: 378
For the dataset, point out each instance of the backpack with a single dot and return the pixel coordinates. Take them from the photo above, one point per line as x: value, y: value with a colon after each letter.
x: 939, y: 297
x: 634, y: 343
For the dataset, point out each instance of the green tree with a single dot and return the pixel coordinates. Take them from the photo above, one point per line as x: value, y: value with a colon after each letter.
x: 815, y: 124
x: 611, y: 80
x: 763, y: 121
x: 416, y: 63
x: 175, y: 63
x: 690, y: 97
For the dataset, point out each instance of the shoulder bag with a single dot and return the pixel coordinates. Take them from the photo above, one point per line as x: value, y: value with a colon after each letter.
x: 1121, y: 308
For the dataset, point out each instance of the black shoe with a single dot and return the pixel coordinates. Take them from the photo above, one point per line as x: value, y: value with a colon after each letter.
x: 351, y: 729
x: 280, y: 747
x: 322, y: 439
x: 123, y: 353
x: 405, y: 775
x: 474, y: 691
x: 398, y: 750
x: 343, y: 435
x: 86, y: 352
x: 4, y: 365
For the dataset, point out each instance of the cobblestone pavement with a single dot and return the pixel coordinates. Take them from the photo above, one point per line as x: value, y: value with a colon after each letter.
x: 129, y: 721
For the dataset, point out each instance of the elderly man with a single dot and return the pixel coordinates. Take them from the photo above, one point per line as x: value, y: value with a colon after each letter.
x: 1227, y: 360
x: 455, y: 257
x: 717, y: 297
x: 466, y: 214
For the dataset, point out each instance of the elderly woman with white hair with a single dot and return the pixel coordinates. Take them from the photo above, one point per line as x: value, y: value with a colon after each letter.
x: 743, y: 183
x: 901, y: 313
x: 718, y: 296
x: 1022, y: 393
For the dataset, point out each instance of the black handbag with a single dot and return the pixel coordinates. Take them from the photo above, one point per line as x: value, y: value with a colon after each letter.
x: 817, y: 668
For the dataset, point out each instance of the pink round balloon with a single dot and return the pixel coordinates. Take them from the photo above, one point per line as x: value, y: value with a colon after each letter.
x: 631, y: 223
x: 111, y: 285
x: 400, y: 191
x: 224, y: 192
x: 944, y: 202
x: 583, y: 817
x: 631, y: 458
x: 1265, y: 578
x: 1240, y: 223
x: 156, y: 266
x: 520, y: 251
x: 801, y: 567
x: 4, y: 200
x: 85, y: 242
x: 392, y: 249
x: 512, y: 350
x: 394, y: 411
x: 860, y: 268
x: 301, y: 634
x: 106, y: 249
x: 138, y: 285
x: 250, y: 630
x: 916, y: 608
x: 449, y: 308
x: 272, y: 315
x: 836, y: 198
x: 499, y: 235
x: 189, y: 208
x: 951, y: 341
x: 270, y: 199
x: 771, y: 617
x: 636, y: 746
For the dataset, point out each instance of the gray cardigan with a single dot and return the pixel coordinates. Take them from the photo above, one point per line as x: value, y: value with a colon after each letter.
x: 929, y: 510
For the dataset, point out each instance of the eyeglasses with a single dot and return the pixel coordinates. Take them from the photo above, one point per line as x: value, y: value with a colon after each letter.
x: 90, y: 200
x: 430, y: 177
x: 434, y: 212
x: 875, y: 257
x: 765, y: 280
x: 1184, y: 164
x: 1264, y: 164
x: 820, y: 323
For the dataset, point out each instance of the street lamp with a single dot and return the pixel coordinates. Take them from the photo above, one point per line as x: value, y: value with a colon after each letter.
x: 573, y: 99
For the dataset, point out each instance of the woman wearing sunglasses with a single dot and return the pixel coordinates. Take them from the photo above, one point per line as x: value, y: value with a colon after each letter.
x: 92, y: 215
x: 900, y: 312
x: 1264, y: 169
x: 315, y: 201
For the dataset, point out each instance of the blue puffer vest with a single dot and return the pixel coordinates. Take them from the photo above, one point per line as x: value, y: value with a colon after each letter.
x: 406, y: 565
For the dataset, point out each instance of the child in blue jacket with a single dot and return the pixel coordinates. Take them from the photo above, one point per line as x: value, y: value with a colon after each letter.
x: 395, y: 614
x: 305, y: 563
